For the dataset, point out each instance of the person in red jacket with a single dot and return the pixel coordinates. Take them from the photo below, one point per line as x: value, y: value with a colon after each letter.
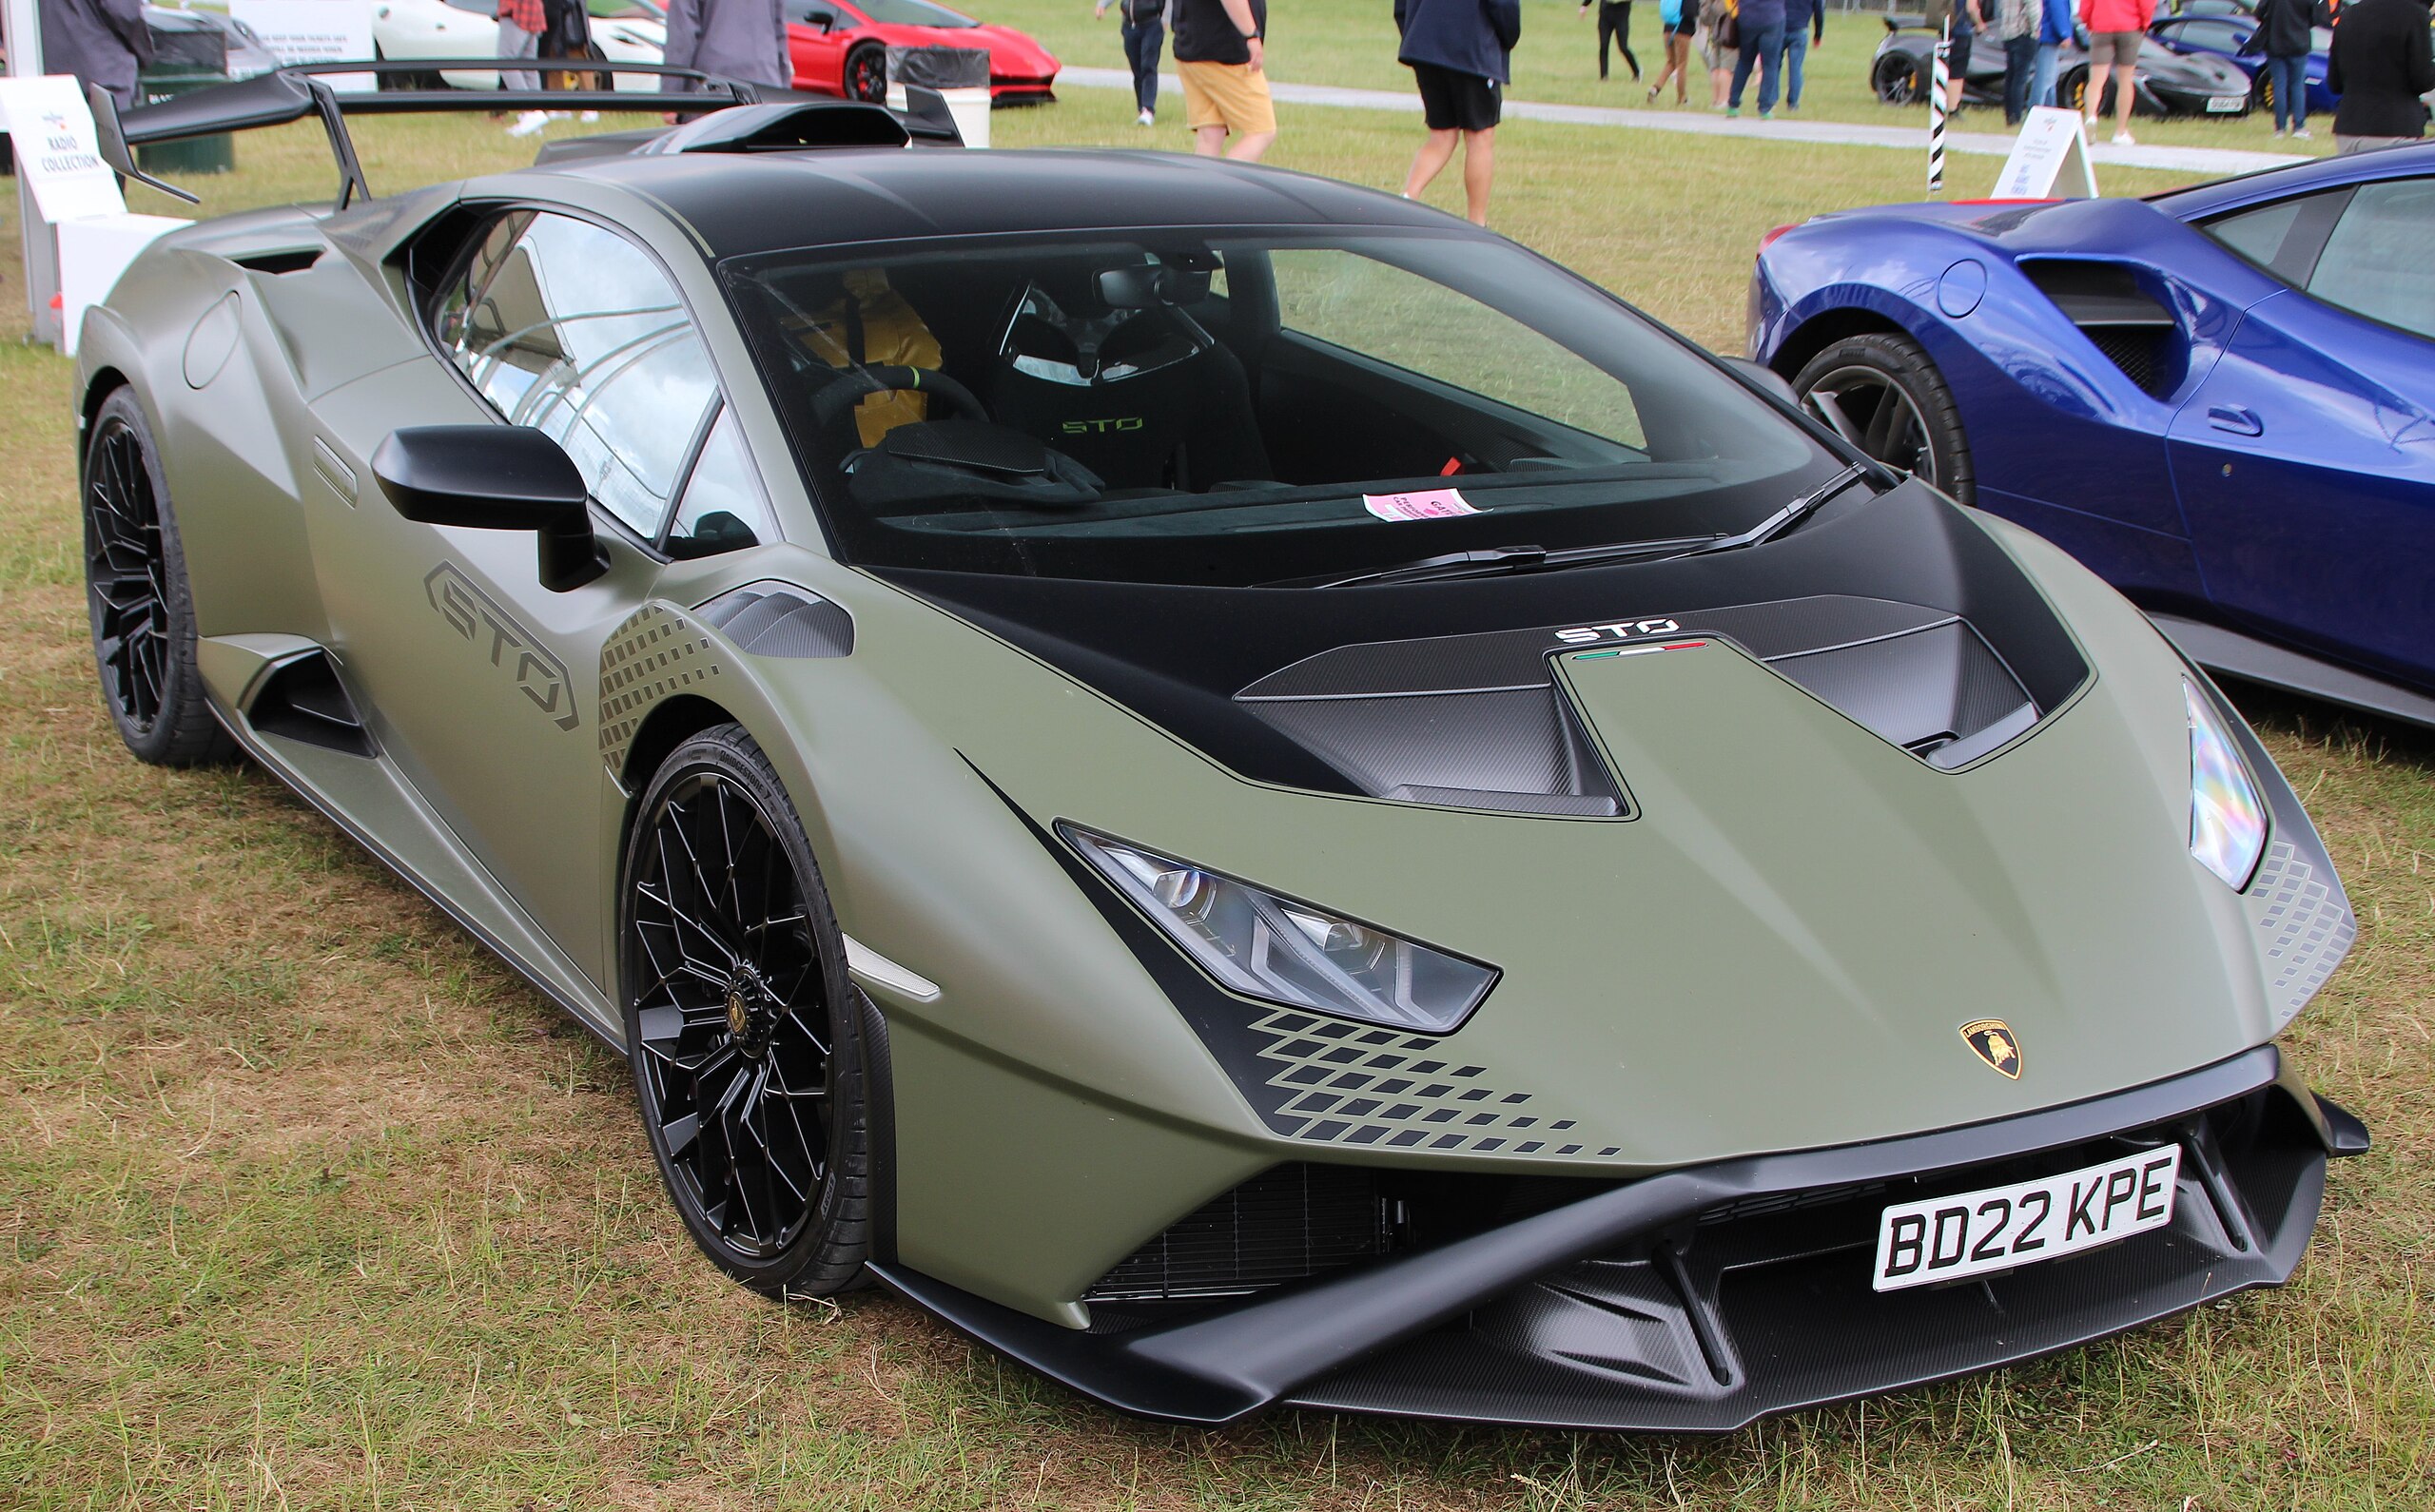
x: 2116, y: 29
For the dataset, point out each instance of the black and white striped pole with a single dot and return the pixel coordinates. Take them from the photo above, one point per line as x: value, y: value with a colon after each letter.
x: 1935, y: 111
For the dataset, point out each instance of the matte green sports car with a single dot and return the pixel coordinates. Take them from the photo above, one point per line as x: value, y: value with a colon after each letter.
x: 1248, y: 792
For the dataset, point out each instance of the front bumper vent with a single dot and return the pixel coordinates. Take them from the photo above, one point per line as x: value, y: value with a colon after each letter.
x: 1286, y: 1224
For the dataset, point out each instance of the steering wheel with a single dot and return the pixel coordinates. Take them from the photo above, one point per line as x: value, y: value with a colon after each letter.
x: 848, y: 387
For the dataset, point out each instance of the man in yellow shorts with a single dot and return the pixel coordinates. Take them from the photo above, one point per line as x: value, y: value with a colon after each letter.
x: 1219, y: 58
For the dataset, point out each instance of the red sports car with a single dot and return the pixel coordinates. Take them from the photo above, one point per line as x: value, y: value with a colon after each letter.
x: 841, y: 47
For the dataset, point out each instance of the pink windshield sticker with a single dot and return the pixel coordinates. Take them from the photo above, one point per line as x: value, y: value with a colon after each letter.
x: 1420, y: 504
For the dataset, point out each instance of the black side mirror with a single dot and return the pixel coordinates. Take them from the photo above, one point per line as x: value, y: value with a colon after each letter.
x: 496, y: 477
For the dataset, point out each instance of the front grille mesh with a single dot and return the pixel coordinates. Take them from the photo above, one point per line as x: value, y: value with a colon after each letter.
x: 1283, y: 1225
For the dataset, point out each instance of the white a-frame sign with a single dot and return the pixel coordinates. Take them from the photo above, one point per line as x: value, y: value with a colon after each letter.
x: 2050, y: 159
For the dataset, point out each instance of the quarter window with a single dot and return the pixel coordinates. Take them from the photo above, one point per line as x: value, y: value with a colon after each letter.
x: 571, y: 329
x: 722, y: 509
x: 2375, y: 262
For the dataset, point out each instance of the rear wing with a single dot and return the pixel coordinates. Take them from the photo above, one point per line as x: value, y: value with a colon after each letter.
x: 784, y: 119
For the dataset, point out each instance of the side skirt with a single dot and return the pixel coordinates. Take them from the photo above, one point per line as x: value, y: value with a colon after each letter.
x: 2231, y: 651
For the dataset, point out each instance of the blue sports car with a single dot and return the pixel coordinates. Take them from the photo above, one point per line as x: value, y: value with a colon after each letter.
x: 2221, y: 398
x: 2233, y: 38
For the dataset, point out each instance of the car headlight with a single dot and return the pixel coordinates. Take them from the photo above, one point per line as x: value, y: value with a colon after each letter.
x: 1283, y: 951
x: 2227, y: 822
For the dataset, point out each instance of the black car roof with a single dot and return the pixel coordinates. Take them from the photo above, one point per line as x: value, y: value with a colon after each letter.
x: 745, y: 202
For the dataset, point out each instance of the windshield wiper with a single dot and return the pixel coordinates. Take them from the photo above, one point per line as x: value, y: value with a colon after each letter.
x: 1497, y: 559
x: 1784, y: 518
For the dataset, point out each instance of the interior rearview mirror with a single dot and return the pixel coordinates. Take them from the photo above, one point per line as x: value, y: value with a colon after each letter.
x: 496, y: 477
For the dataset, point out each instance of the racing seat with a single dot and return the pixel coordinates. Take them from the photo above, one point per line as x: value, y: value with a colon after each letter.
x: 1142, y: 396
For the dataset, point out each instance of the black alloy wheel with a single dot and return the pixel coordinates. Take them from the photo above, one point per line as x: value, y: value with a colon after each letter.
x: 2073, y: 93
x: 866, y: 73
x: 1882, y: 393
x: 1897, y: 80
x: 745, y: 1036
x: 138, y: 599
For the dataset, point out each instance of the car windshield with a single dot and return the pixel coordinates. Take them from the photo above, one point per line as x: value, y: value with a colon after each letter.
x: 912, y: 13
x: 1244, y: 409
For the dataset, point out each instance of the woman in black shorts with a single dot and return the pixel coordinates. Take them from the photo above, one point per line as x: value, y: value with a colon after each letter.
x: 1458, y: 50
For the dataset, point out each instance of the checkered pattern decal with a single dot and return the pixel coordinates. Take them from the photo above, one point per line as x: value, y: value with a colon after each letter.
x: 1350, y: 1084
x: 2307, y: 925
x: 656, y: 652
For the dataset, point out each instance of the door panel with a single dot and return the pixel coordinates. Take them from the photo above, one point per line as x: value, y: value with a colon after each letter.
x: 2306, y: 464
x: 479, y: 685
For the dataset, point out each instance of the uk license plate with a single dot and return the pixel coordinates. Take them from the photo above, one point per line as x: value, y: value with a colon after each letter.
x: 1973, y: 1232
x: 2225, y: 104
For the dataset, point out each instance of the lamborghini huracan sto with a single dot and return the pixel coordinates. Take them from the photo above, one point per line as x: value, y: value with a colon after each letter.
x: 1252, y: 794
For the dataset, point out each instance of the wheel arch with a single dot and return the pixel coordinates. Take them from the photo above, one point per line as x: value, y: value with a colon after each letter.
x: 1823, y: 330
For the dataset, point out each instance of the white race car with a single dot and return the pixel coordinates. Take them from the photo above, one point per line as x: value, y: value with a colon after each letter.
x: 623, y: 32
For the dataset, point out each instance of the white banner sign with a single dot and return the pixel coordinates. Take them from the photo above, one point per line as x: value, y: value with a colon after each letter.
x: 313, y: 31
x: 52, y: 128
x: 2053, y: 145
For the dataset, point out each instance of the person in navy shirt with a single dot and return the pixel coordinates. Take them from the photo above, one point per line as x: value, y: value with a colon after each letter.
x: 1762, y: 47
x: 1458, y: 51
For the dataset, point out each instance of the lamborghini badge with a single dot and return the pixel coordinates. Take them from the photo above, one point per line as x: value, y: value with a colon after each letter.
x: 1993, y: 1039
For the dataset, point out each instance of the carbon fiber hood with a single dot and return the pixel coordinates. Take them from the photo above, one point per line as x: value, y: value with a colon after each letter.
x: 1897, y: 613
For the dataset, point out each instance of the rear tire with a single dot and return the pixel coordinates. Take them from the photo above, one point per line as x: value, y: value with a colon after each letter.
x: 138, y: 599
x: 745, y: 1036
x: 1882, y: 393
x: 865, y: 75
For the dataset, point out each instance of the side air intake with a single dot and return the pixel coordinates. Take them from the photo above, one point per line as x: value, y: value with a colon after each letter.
x: 2119, y: 316
x: 1286, y: 1224
x: 302, y: 700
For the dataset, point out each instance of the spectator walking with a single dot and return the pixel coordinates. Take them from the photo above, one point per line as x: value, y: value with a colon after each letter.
x: 1964, y: 17
x: 1804, y: 23
x: 2380, y: 64
x: 1145, y: 30
x: 2117, y: 29
x: 1458, y: 51
x: 1681, y: 19
x: 1762, y: 24
x: 2287, y: 34
x: 2054, y: 29
x: 1720, y: 38
x: 521, y: 24
x: 1615, y: 24
x: 102, y: 42
x: 2018, y: 23
x: 1222, y: 57
x: 729, y: 39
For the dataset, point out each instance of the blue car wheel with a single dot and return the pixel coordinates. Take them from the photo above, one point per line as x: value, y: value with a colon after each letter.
x: 1882, y: 393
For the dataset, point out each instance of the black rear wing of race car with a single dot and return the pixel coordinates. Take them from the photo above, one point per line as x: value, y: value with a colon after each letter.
x: 780, y: 119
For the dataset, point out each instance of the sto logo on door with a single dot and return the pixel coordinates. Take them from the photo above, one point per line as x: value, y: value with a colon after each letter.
x: 510, y: 647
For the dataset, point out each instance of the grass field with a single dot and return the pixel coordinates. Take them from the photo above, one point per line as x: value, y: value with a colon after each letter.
x: 307, y: 1202
x: 1353, y: 41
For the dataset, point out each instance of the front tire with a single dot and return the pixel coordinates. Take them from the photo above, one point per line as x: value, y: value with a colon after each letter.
x: 1897, y: 80
x: 138, y: 598
x: 745, y: 1037
x: 865, y: 75
x: 1882, y: 393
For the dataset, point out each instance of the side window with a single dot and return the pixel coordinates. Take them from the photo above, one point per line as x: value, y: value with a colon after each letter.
x: 571, y: 329
x: 721, y: 510
x: 2283, y: 238
x: 2375, y: 262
